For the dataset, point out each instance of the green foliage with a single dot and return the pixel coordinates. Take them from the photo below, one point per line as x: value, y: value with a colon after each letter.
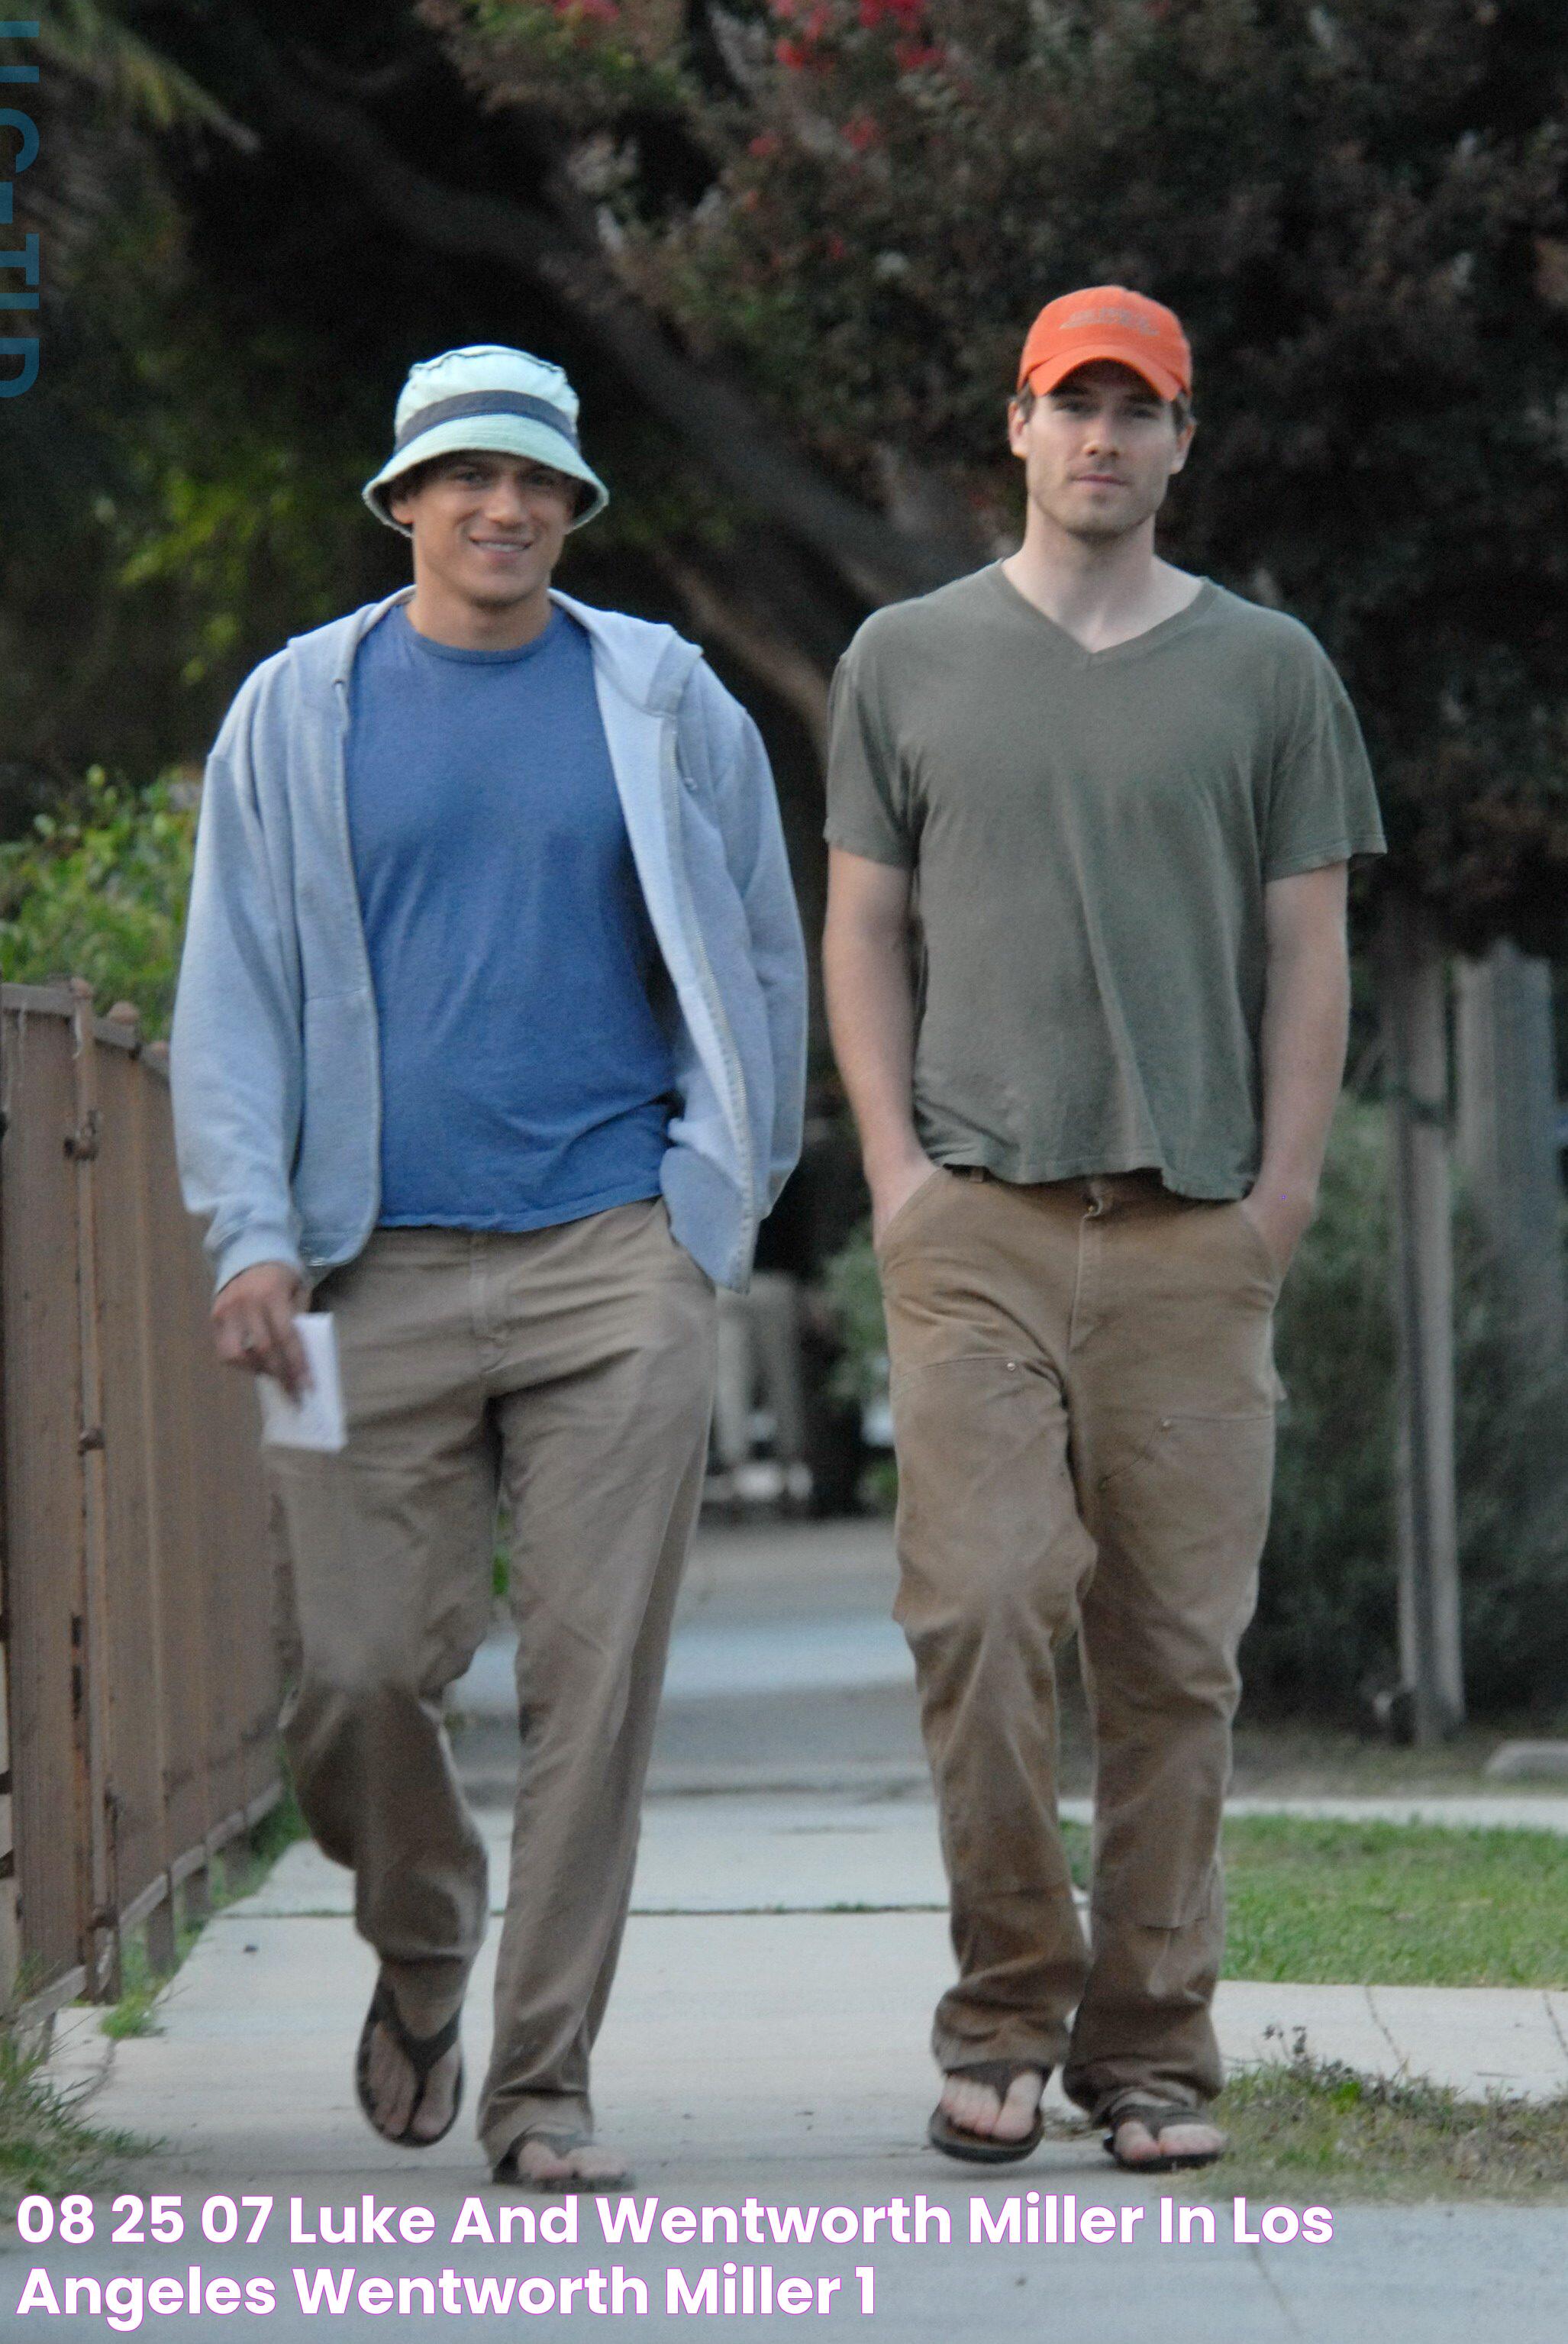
x: 99, y: 891
x: 1325, y: 1619
x: 46, y: 2144
x: 140, y: 1988
x: 1359, y: 210
x: 853, y: 1292
x: 1381, y: 1903
x: 1304, y: 2129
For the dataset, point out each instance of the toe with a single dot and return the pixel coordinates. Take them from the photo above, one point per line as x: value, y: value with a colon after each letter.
x: 1135, y: 2144
x: 1019, y: 2109
x: 435, y: 2112
x: 1194, y: 2139
x: 973, y: 2108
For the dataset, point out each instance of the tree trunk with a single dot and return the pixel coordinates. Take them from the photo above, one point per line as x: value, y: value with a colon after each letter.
x: 1508, y: 1141
x: 1415, y: 1036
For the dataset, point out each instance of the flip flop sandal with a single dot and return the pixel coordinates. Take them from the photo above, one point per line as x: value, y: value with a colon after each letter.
x: 1155, y: 2116
x: 979, y: 2147
x: 422, y: 2051
x: 569, y: 2184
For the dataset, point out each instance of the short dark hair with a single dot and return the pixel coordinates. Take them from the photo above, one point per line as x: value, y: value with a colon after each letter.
x: 1180, y: 406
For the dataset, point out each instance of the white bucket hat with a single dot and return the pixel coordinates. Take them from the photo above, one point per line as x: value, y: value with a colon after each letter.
x: 490, y: 398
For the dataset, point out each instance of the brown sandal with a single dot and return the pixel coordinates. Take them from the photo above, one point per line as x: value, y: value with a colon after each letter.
x: 983, y: 2148
x: 422, y: 2051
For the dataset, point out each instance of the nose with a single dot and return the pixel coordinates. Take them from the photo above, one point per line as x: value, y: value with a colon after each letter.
x: 506, y: 502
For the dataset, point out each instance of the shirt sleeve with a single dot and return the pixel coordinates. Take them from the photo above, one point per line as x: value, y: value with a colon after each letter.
x: 866, y: 809
x: 1322, y: 804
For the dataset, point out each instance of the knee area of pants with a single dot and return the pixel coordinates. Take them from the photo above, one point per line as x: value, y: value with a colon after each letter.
x: 1000, y: 1621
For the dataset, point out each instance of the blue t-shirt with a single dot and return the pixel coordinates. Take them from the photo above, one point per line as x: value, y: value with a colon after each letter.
x: 526, y: 1071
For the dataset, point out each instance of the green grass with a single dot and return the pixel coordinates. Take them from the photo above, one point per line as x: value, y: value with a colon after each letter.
x: 140, y: 1988
x: 46, y: 2144
x: 1310, y: 2131
x: 1377, y: 1903
x: 236, y: 1871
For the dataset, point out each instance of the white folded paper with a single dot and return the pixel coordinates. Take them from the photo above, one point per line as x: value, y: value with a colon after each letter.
x: 314, y: 1421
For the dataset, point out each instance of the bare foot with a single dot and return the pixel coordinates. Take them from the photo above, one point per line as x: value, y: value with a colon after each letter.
x: 1186, y: 2139
x: 980, y: 2109
x: 392, y: 2086
x: 545, y: 2164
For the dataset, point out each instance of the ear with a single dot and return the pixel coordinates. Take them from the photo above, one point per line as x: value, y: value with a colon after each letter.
x: 1017, y: 427
x: 1183, y: 445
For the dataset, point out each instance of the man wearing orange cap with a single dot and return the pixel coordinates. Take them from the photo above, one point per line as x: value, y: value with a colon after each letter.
x: 1093, y: 1130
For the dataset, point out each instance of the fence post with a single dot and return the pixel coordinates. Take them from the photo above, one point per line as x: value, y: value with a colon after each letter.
x: 1413, y: 996
x: 10, y: 1914
x: 100, y: 1932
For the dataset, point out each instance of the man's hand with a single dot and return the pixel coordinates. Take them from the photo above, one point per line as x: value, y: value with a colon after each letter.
x: 1281, y: 1217
x: 891, y: 1188
x: 253, y: 1321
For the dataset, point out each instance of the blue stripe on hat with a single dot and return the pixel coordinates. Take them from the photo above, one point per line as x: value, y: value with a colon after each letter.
x: 486, y: 402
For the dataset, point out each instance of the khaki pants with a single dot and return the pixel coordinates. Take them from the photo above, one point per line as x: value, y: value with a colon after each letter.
x: 571, y: 1369
x: 1083, y: 1401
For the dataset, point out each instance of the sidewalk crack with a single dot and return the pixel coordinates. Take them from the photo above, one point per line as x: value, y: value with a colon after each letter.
x: 1378, y: 2023
x: 1287, y: 2310
x: 1554, y: 2023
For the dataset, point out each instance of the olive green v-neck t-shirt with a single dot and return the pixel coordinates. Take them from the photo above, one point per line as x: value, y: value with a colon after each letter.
x: 1090, y: 835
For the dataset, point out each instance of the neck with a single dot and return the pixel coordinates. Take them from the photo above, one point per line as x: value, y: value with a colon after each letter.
x: 1100, y: 591
x: 433, y: 610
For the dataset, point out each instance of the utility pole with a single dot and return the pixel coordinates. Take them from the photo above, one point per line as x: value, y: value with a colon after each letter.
x: 1415, y: 1009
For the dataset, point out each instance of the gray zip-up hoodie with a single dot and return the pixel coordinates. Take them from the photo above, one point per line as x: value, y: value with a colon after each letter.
x: 274, y: 1055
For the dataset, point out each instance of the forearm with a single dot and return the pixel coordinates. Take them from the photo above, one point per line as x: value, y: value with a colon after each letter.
x: 1306, y: 1020
x: 870, y: 1018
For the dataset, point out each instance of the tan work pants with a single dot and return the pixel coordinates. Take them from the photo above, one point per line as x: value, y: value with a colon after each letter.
x: 571, y: 1369
x: 1083, y: 1401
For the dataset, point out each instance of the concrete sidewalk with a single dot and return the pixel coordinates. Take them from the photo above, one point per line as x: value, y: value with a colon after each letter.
x: 766, y: 2043
x: 780, y: 2055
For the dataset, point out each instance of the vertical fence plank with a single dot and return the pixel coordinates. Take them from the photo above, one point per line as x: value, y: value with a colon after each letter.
x: 43, y: 1466
x: 101, y: 1939
x: 129, y: 1379
x: 142, y: 1677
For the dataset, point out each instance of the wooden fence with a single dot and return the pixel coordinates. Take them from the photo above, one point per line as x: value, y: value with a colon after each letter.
x: 141, y: 1676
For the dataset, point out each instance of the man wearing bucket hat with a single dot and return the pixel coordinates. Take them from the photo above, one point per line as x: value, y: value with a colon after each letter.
x: 1093, y: 1135
x: 490, y: 1030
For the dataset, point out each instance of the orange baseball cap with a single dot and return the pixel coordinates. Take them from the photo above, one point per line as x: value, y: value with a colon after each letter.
x: 1107, y: 321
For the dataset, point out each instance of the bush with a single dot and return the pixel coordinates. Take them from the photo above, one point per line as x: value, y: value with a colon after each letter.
x: 98, y: 891
x: 1327, y: 1626
x: 1326, y: 1621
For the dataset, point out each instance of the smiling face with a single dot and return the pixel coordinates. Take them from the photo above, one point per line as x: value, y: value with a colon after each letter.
x: 487, y: 529
x: 1099, y: 450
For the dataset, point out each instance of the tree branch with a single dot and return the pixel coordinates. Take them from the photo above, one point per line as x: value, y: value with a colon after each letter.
x: 737, y: 443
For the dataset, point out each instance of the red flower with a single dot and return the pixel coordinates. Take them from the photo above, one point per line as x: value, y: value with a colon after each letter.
x: 860, y: 132
x: 790, y: 54
x: 765, y: 146
x: 836, y: 248
x: 915, y: 57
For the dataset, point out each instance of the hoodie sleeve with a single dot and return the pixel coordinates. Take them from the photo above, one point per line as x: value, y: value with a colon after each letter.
x: 235, y: 1051
x: 746, y: 805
